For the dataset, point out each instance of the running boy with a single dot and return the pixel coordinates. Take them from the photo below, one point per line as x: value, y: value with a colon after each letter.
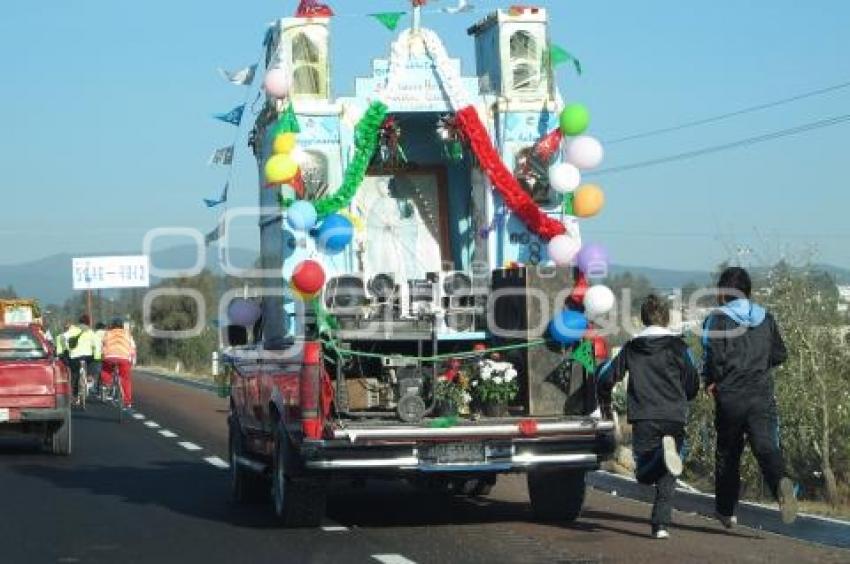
x: 742, y: 346
x: 662, y: 380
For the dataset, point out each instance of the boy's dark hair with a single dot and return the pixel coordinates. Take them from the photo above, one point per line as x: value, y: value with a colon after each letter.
x: 100, y: 325
x: 733, y: 283
x: 655, y: 311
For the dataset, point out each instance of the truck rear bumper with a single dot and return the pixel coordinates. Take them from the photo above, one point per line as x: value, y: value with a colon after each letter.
x: 506, y: 447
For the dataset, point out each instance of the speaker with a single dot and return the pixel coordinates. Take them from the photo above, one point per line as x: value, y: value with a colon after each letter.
x: 521, y: 304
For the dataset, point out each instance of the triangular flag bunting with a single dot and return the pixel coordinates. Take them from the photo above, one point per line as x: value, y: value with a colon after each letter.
x: 242, y: 77
x: 223, y: 156
x: 233, y: 117
x: 389, y: 19
x: 558, y: 56
x: 287, y: 122
x: 221, y: 200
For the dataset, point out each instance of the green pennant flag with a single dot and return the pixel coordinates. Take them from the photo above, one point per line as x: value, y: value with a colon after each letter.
x: 569, y: 198
x: 287, y: 122
x: 389, y: 19
x: 558, y: 55
x: 583, y: 354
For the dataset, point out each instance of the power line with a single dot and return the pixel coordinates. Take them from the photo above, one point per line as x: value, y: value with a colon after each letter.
x: 728, y: 115
x: 726, y: 146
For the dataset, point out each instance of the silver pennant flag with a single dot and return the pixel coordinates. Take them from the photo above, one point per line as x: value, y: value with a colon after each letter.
x: 242, y: 77
x: 223, y: 156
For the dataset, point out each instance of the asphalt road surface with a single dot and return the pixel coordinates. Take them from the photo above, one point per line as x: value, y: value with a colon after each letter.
x: 153, y: 490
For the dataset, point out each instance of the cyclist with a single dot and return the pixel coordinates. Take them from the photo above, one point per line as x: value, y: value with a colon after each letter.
x: 80, y: 341
x: 97, y: 361
x: 118, y: 351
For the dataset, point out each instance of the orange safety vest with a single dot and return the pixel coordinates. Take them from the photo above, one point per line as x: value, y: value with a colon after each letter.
x: 116, y: 344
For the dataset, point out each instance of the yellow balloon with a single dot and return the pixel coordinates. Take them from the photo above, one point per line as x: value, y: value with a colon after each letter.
x: 356, y: 221
x: 588, y: 200
x: 284, y: 143
x: 280, y: 169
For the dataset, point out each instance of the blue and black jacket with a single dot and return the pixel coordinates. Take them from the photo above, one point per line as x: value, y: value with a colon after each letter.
x: 741, y: 346
x: 662, y: 376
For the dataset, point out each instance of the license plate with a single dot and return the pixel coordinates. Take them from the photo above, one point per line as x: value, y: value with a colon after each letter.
x: 454, y: 453
x: 4, y: 414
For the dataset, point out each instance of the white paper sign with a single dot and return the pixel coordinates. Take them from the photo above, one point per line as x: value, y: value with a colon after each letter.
x: 95, y: 273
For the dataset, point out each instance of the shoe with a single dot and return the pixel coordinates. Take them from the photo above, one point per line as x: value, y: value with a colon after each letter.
x: 672, y: 460
x: 787, y: 501
x: 660, y: 532
x: 728, y: 521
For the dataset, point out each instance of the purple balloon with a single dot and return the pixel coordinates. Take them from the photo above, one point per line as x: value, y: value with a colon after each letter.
x: 593, y: 260
x: 243, y: 312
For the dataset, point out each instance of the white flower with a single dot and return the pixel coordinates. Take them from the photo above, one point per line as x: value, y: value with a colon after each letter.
x: 486, y: 374
x: 510, y: 374
x: 497, y: 379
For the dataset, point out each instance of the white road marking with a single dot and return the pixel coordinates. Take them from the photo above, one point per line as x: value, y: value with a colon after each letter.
x: 152, y: 424
x: 217, y: 462
x: 189, y: 446
x: 392, y: 559
x: 167, y: 434
x: 334, y: 528
x: 138, y: 416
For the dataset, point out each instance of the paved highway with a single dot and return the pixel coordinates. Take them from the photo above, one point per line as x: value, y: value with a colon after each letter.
x: 154, y: 489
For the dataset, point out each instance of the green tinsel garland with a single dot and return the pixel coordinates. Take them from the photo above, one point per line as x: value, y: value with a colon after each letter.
x: 366, y: 135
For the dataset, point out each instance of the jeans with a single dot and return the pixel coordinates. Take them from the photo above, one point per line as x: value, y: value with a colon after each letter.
x: 124, y: 372
x: 649, y: 456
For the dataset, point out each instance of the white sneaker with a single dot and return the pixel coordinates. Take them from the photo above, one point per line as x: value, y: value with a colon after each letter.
x: 660, y: 532
x: 672, y: 460
x: 728, y: 522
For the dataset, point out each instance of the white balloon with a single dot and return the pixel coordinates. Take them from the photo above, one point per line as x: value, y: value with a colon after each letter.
x: 598, y: 300
x: 563, y: 249
x: 564, y: 177
x: 585, y: 152
x: 277, y: 83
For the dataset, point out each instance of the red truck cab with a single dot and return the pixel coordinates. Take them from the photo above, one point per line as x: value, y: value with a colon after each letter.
x: 34, y: 388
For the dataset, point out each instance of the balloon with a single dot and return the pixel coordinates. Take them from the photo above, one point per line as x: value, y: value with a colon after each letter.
x: 301, y: 216
x: 563, y: 249
x: 243, y: 312
x: 598, y: 300
x: 568, y: 327
x: 588, y: 201
x: 280, y: 169
x: 574, y: 119
x: 592, y: 260
x: 564, y: 177
x: 308, y: 277
x: 277, y: 83
x: 335, y: 233
x: 585, y: 152
x: 284, y: 143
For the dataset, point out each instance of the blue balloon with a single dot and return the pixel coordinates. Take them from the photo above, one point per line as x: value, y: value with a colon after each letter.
x: 568, y: 327
x: 335, y: 233
x: 301, y: 216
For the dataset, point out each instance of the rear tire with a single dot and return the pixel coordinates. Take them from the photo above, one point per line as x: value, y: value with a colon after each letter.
x: 556, y: 494
x: 60, y: 443
x: 245, y: 486
x: 298, y: 501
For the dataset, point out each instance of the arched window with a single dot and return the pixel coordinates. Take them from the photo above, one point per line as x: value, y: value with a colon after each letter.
x: 525, y: 61
x: 304, y: 50
x: 306, y: 80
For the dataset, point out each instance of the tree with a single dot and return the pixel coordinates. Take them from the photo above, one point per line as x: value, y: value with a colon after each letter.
x: 8, y: 293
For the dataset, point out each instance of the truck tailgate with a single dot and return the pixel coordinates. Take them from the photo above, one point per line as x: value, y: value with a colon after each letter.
x: 26, y: 384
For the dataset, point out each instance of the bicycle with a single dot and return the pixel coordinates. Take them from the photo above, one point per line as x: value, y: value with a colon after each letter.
x: 113, y: 394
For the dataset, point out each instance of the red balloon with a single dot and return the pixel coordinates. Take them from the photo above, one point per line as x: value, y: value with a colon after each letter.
x: 308, y: 277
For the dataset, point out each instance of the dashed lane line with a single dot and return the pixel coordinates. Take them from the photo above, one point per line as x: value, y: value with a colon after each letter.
x: 138, y: 416
x: 189, y: 446
x: 167, y: 434
x: 217, y: 462
x: 152, y: 424
x: 392, y: 559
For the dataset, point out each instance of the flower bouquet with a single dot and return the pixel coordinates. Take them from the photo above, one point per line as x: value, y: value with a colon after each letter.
x: 451, y: 393
x: 495, y: 386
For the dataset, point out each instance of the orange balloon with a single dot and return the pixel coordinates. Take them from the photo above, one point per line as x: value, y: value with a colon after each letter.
x: 284, y: 143
x: 588, y: 200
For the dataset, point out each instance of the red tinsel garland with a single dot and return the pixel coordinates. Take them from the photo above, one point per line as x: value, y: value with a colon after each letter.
x: 512, y: 193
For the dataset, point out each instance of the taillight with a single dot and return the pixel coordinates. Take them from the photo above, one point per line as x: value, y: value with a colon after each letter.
x: 310, y: 391
x: 60, y: 380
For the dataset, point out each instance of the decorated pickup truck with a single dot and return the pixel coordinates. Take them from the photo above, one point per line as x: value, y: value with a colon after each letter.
x: 428, y: 304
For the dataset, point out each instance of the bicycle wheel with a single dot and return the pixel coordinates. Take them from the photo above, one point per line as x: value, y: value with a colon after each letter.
x: 120, y: 400
x: 82, y: 387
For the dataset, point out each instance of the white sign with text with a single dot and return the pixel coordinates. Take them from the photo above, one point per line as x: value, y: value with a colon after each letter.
x: 94, y: 273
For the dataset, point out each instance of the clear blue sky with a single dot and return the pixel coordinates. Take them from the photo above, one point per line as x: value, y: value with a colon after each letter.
x: 106, y: 123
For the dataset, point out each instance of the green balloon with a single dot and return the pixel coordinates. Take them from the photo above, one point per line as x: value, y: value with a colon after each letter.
x: 574, y: 119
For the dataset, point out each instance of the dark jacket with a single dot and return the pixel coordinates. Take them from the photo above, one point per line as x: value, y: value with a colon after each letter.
x: 662, y: 376
x: 741, y: 345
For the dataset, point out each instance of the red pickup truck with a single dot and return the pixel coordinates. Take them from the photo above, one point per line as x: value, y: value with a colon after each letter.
x: 34, y: 388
